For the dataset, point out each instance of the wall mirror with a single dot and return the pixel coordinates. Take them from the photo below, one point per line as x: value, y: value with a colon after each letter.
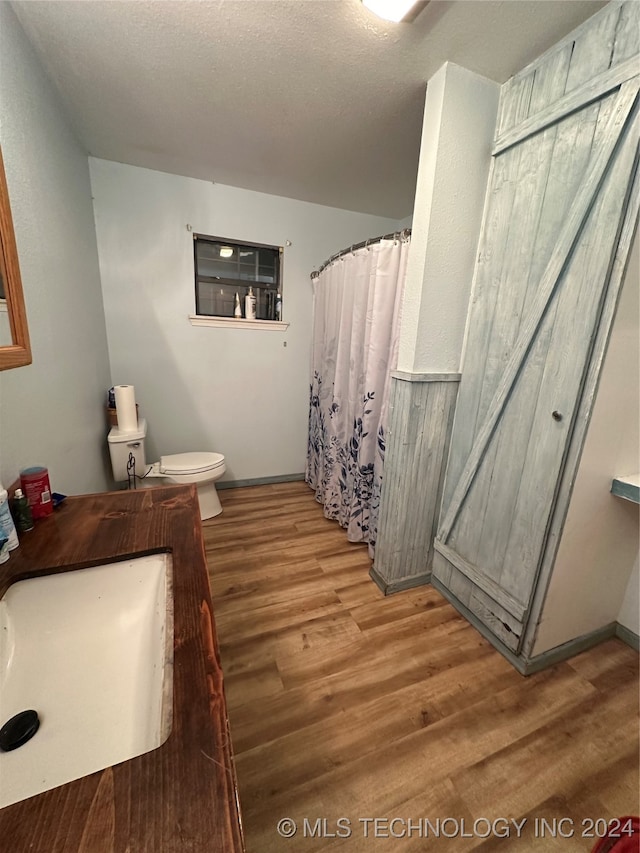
x: 15, y: 349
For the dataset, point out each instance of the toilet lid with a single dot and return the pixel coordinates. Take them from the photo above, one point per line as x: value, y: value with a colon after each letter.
x: 190, y: 463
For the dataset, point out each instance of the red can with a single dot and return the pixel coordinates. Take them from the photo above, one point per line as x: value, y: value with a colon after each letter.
x: 35, y: 485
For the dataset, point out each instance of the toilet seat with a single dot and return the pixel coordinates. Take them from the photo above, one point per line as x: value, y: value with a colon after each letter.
x: 190, y: 463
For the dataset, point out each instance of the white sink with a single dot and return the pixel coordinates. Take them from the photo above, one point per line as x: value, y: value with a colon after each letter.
x: 91, y: 651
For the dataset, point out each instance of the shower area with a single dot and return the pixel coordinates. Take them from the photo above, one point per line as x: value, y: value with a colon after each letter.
x: 460, y: 440
x: 357, y: 297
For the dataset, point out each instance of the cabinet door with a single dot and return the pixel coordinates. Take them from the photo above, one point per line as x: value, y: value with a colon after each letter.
x: 564, y: 163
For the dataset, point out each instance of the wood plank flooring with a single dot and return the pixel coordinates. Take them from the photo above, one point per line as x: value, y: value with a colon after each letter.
x: 347, y: 705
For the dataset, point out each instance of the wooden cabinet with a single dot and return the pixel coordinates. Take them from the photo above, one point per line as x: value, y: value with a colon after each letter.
x: 559, y: 219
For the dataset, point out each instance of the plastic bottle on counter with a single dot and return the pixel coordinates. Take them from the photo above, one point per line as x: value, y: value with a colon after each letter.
x: 278, y: 306
x: 22, y: 514
x: 7, y: 527
x: 237, y: 310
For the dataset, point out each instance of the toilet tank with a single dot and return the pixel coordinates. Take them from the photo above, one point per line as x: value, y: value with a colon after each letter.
x: 122, y: 444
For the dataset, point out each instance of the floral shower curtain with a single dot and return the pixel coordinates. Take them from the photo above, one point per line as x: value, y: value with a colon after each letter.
x: 357, y: 300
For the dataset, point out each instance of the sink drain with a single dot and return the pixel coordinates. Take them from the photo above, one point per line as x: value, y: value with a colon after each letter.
x: 18, y: 730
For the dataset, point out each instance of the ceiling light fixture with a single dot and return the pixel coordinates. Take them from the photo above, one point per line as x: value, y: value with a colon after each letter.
x: 395, y: 10
x: 226, y: 251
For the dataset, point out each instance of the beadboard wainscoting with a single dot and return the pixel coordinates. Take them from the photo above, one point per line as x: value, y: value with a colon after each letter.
x: 421, y: 409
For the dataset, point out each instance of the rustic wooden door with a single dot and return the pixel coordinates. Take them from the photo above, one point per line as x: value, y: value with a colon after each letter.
x: 561, y: 188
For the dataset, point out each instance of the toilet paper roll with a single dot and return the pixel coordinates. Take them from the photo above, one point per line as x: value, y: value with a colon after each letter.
x: 126, y: 408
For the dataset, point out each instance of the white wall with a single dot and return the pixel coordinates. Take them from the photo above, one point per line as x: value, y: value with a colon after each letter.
x: 238, y: 392
x: 51, y: 412
x: 599, y: 545
x: 455, y: 154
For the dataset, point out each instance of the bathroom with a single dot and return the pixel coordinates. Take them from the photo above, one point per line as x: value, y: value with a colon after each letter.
x: 107, y: 267
x: 126, y: 289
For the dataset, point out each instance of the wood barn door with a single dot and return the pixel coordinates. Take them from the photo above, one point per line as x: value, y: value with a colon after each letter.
x: 561, y: 189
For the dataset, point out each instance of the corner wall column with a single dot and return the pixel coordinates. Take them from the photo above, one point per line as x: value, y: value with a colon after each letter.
x: 455, y: 154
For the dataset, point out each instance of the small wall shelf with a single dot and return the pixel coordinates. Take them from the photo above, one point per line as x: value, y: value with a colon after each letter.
x: 627, y: 487
x: 233, y: 323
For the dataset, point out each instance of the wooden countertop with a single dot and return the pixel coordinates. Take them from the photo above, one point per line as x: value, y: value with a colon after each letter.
x: 183, y: 795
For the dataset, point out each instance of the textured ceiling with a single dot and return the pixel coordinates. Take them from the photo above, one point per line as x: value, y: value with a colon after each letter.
x: 317, y: 100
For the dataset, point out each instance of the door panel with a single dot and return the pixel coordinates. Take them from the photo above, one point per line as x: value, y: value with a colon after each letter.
x: 567, y: 240
x: 554, y: 212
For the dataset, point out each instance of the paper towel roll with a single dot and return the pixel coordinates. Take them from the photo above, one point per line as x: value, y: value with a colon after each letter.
x: 126, y: 408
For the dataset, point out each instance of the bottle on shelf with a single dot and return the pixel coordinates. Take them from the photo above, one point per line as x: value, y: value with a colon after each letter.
x: 250, y: 305
x: 278, y: 311
x: 237, y: 310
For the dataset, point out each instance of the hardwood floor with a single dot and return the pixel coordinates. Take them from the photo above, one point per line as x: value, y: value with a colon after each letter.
x: 347, y: 705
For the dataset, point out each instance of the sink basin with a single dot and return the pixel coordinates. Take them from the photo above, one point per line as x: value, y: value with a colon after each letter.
x: 91, y: 651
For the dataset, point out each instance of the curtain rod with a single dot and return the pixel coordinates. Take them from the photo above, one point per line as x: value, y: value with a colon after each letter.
x: 396, y: 235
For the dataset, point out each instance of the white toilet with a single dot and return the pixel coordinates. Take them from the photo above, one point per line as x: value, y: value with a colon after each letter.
x: 202, y: 469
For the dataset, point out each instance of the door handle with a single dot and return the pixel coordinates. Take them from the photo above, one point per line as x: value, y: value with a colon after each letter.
x: 557, y: 416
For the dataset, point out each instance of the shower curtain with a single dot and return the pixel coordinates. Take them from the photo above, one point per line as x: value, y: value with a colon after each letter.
x: 357, y: 300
